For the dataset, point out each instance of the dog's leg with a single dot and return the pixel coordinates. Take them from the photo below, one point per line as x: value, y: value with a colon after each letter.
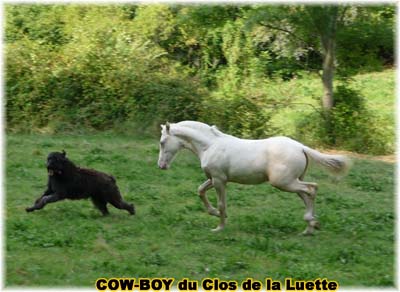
x: 101, y: 205
x: 47, y: 192
x: 129, y: 207
x: 119, y: 203
x: 43, y: 201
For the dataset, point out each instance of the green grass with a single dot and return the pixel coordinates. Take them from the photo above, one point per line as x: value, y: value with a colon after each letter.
x: 68, y: 244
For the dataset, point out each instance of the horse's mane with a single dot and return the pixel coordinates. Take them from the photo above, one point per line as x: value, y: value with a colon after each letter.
x: 212, y: 131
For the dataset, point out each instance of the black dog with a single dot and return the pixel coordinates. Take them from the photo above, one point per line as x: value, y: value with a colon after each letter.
x: 67, y: 181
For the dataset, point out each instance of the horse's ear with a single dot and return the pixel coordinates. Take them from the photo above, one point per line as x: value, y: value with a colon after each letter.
x: 64, y: 153
x: 167, y: 126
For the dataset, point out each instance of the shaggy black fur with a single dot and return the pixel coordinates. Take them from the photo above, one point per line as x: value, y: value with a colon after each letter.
x: 67, y: 181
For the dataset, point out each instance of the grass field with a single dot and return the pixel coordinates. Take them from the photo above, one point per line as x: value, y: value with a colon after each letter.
x: 69, y: 244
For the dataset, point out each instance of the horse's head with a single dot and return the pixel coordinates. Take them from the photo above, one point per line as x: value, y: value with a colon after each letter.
x: 169, y: 146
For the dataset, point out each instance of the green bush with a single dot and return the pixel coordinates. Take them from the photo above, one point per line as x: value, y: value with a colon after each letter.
x: 105, y: 75
x: 367, y: 44
x: 172, y: 100
x: 71, y: 67
x: 350, y: 126
x: 239, y: 116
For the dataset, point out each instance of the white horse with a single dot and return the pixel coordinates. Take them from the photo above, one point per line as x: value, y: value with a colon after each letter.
x: 280, y: 161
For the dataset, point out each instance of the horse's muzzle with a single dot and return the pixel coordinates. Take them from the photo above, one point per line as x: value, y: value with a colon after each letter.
x: 163, y: 166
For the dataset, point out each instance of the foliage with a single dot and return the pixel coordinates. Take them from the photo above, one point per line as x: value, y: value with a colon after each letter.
x: 239, y: 116
x: 70, y: 244
x: 365, y: 36
x: 353, y: 126
x: 101, y: 77
x: 373, y: 25
x: 22, y: 22
x: 106, y: 66
x: 237, y: 105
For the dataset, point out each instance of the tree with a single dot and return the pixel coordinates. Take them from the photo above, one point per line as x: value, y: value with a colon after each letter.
x: 105, y: 62
x: 302, y: 25
x: 325, y: 21
x: 311, y: 30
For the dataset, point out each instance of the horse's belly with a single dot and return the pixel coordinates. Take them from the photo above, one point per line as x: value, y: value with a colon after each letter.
x: 237, y: 163
x: 248, y: 180
x: 246, y: 175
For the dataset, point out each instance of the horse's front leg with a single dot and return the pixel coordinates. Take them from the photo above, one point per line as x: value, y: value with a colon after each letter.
x: 219, y: 186
x: 203, y: 196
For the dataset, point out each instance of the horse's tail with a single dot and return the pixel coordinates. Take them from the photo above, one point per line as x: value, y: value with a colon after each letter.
x: 339, y: 165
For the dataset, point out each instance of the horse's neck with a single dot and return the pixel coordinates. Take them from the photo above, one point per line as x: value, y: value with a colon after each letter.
x: 194, y: 140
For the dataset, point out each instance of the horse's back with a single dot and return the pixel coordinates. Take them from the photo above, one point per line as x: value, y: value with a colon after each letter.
x: 253, y: 161
x: 282, y: 144
x: 277, y: 146
x: 231, y: 148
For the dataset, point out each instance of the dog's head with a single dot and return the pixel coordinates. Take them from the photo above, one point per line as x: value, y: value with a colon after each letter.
x: 57, y: 162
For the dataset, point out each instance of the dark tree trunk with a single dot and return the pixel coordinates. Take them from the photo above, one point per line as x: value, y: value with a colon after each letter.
x: 328, y: 41
x: 325, y: 19
x: 328, y: 70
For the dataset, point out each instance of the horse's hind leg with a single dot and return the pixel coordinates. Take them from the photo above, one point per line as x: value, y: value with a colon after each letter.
x: 309, y: 215
x: 203, y: 196
x: 307, y: 191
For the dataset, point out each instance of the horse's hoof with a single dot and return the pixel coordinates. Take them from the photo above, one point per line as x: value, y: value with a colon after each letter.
x: 219, y: 228
x: 309, y: 230
x: 214, y: 212
x: 307, y: 233
x: 29, y: 209
x: 314, y: 224
x: 217, y: 214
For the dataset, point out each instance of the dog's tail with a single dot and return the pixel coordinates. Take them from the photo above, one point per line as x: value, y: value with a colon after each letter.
x: 339, y: 165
